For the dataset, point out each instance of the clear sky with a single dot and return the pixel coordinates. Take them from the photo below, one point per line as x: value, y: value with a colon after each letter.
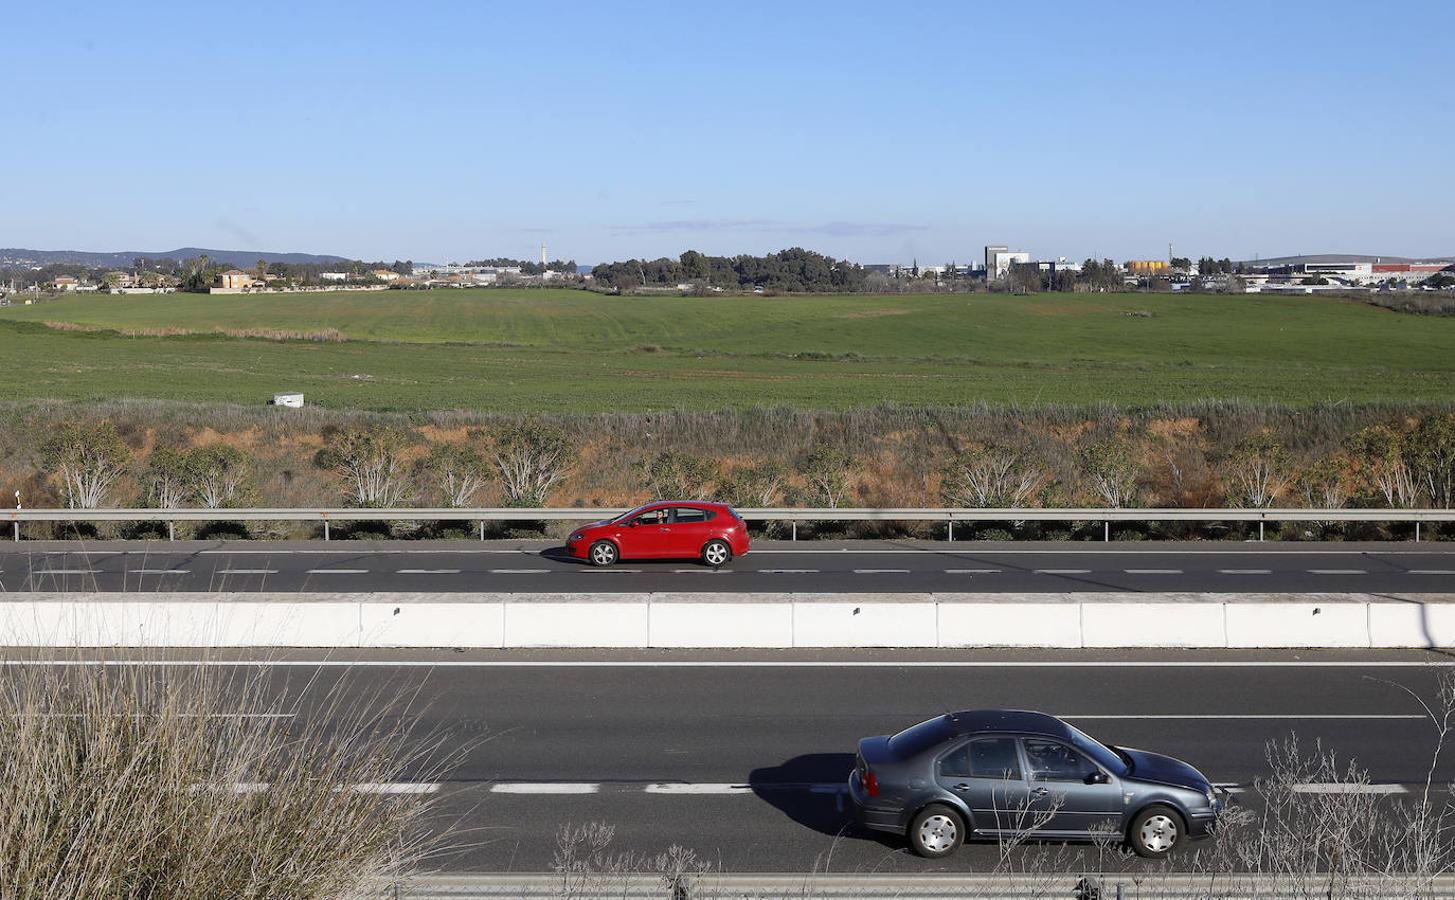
x: 881, y: 131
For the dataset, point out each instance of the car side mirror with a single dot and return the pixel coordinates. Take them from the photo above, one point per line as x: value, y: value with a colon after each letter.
x: 1097, y: 778
x: 632, y: 523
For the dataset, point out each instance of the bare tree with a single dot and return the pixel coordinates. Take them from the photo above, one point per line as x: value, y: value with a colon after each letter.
x: 88, y: 458
x: 218, y: 475
x: 1256, y: 470
x: 459, y: 473
x: 827, y: 471
x: 530, y: 458
x: 1383, y: 458
x: 166, y: 478
x: 369, y: 463
x: 991, y: 476
x: 674, y: 475
x: 1112, y: 470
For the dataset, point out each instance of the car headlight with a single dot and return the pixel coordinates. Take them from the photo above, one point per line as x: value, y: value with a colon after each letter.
x: 1212, y: 797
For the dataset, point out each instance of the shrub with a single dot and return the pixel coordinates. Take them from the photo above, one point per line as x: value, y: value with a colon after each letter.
x: 827, y: 471
x: 458, y: 472
x: 675, y: 475
x: 88, y: 458
x: 369, y: 464
x: 990, y: 476
x: 530, y: 458
x: 219, y: 475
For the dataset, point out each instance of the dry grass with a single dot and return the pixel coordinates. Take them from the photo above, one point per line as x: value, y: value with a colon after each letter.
x: 322, y: 335
x: 126, y: 782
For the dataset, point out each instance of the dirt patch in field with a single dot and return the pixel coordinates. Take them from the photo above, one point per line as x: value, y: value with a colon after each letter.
x: 873, y: 313
x: 1171, y: 429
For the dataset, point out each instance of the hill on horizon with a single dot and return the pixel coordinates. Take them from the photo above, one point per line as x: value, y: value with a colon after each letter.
x: 123, y: 258
x: 1345, y: 258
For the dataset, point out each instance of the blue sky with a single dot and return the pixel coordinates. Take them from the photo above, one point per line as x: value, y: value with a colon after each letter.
x: 878, y: 131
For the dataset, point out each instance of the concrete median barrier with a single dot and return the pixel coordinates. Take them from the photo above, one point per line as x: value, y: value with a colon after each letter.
x: 707, y: 620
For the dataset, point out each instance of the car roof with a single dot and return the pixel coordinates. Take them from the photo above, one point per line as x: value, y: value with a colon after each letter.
x: 1023, y: 721
x: 711, y: 503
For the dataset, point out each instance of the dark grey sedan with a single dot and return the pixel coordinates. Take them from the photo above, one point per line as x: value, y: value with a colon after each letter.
x: 1000, y: 773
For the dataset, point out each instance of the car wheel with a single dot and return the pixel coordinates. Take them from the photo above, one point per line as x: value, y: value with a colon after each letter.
x: 936, y: 831
x: 716, y: 553
x: 602, y: 553
x: 1155, y: 831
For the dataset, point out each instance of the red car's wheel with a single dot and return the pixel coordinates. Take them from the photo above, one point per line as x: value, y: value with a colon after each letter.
x: 602, y: 553
x: 716, y: 553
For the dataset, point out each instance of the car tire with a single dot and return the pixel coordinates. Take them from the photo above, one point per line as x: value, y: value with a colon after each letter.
x: 936, y: 831
x: 1155, y: 832
x: 603, y: 554
x: 716, y: 553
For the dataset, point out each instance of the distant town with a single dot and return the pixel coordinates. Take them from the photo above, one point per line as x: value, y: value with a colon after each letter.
x: 27, y: 276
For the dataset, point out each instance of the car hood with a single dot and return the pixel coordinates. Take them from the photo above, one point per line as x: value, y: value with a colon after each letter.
x: 1159, y: 769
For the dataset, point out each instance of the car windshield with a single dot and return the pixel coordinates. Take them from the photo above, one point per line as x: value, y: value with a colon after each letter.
x: 629, y: 513
x: 917, y: 739
x: 1105, y: 756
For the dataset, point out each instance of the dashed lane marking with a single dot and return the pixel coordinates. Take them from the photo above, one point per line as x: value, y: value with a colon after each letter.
x: 881, y: 571
x: 1062, y: 571
x: 1337, y: 572
x: 160, y: 571
x: 788, y: 571
x: 64, y: 572
x: 247, y: 572
x: 1153, y: 571
x: 428, y: 572
x: 972, y: 571
x: 539, y: 787
x: 338, y: 571
x: 519, y: 571
x: 1245, y: 571
x: 1431, y: 572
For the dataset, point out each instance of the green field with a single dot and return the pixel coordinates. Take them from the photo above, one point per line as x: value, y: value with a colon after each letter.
x: 574, y: 351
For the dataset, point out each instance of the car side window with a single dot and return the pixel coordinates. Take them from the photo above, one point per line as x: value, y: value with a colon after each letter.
x: 653, y: 517
x: 983, y: 758
x: 689, y: 514
x: 1054, y: 761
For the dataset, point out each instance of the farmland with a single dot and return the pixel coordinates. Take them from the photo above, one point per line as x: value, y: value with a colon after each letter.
x: 569, y: 351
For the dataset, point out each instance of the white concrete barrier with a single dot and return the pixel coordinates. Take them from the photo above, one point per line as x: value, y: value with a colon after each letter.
x: 726, y: 620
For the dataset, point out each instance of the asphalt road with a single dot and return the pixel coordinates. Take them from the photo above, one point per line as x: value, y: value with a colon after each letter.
x: 741, y: 756
x: 773, y: 566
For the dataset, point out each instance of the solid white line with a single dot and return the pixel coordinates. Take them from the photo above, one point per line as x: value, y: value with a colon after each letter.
x: 1337, y: 572
x: 1334, y: 716
x: 338, y: 571
x: 248, y: 572
x: 428, y: 571
x: 1062, y: 571
x: 881, y: 571
x: 159, y: 571
x: 1153, y: 571
x: 535, y: 787
x: 395, y: 787
x: 743, y: 664
x: 697, y: 788
x: 1245, y: 571
x: 1350, y: 788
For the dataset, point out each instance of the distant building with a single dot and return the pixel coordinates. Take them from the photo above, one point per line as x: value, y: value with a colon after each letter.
x: 65, y: 283
x: 384, y: 274
x: 999, y: 259
x: 333, y: 276
x: 234, y: 280
x: 1148, y: 266
x: 291, y: 399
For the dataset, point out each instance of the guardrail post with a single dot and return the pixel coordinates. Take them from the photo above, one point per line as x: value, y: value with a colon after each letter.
x: 171, y: 531
x: 1260, y: 529
x: 16, y: 525
x: 1106, y: 532
x: 1417, y: 531
x: 952, y: 531
x: 794, y: 524
x: 482, y: 529
x: 325, y: 526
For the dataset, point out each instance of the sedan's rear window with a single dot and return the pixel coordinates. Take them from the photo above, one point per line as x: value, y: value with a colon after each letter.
x: 692, y: 514
x: 917, y: 739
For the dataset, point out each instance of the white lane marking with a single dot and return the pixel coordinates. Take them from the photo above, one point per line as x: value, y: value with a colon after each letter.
x: 539, y: 787
x: 972, y: 571
x: 519, y: 571
x: 1337, y: 572
x: 1153, y: 571
x: 64, y: 572
x: 1431, y: 572
x: 788, y: 571
x: 1350, y: 788
x: 703, y: 570
x: 1245, y: 572
x: 960, y: 548
x: 1061, y: 571
x: 355, y: 551
x: 881, y: 571
x: 1270, y: 716
x: 697, y: 788
x: 247, y: 571
x: 396, y: 787
x: 748, y: 664
x: 160, y: 571
x: 614, y: 571
x: 338, y: 571
x: 428, y: 571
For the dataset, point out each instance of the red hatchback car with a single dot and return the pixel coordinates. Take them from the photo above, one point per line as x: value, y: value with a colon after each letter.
x: 712, y: 532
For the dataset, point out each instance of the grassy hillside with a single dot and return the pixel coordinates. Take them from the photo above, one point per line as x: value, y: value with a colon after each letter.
x: 572, y: 351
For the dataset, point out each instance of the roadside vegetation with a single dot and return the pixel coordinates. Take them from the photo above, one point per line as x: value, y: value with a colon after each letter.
x: 1208, y: 455
x: 200, y: 782
x: 549, y: 350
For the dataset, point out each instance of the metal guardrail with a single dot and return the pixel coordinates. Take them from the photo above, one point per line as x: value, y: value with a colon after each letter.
x: 793, y: 515
x: 911, y: 886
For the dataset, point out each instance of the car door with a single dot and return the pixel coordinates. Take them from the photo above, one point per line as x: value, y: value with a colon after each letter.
x: 648, y: 535
x: 985, y: 773
x: 1070, y: 794
x: 689, y: 530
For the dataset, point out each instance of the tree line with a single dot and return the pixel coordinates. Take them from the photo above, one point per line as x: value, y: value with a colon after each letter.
x: 795, y: 269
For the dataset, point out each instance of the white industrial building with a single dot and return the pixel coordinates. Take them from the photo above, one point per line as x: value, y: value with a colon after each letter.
x: 999, y: 259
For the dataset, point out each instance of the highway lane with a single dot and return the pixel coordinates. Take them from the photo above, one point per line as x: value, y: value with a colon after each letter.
x: 740, y: 756
x: 773, y: 566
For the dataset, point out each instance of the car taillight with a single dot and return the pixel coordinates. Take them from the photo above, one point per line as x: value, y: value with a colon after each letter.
x: 871, y: 783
